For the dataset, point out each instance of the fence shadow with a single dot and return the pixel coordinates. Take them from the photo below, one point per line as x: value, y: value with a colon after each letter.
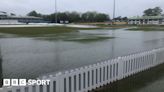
x: 136, y: 82
x: 1, y: 74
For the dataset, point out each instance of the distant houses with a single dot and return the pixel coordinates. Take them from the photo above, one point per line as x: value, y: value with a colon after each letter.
x: 146, y: 20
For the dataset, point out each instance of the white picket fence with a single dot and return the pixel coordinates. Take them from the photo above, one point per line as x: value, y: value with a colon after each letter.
x: 90, y: 77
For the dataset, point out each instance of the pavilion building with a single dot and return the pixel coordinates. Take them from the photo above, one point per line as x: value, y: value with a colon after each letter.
x: 146, y: 20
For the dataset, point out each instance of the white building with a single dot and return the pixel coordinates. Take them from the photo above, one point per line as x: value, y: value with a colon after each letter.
x: 147, y: 20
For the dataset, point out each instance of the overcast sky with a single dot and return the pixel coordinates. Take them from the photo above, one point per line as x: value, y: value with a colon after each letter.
x: 123, y: 7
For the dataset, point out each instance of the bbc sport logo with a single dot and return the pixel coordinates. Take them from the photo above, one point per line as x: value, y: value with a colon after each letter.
x: 24, y: 82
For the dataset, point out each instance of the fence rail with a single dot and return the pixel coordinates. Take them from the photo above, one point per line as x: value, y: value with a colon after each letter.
x: 90, y: 77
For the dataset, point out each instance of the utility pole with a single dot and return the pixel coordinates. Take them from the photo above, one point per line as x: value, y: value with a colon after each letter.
x: 56, y: 12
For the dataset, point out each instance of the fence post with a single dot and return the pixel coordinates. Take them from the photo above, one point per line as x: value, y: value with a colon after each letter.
x: 59, y: 82
x: 51, y: 84
x: 155, y: 58
x: 120, y: 68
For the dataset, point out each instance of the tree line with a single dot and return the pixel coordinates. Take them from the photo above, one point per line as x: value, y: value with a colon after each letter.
x: 91, y: 16
x: 157, y: 11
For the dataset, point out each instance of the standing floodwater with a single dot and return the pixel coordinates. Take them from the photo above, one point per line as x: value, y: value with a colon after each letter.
x: 33, y: 57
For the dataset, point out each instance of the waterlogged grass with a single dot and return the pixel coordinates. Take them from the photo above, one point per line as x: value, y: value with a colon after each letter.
x: 109, y: 26
x: 54, y: 33
x: 147, y: 28
x: 114, y: 26
x: 40, y: 31
x: 76, y: 37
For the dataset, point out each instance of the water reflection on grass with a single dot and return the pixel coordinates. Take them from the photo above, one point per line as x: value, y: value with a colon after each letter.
x: 76, y: 37
x: 148, y: 81
x: 90, y: 39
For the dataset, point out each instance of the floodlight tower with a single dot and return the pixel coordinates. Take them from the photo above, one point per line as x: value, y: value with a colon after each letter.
x: 113, y: 31
x: 56, y: 12
x: 114, y: 10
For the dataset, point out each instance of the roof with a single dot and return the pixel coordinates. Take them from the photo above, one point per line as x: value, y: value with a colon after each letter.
x: 2, y: 13
x: 147, y: 17
x: 18, y: 17
x: 27, y: 17
x: 22, y: 17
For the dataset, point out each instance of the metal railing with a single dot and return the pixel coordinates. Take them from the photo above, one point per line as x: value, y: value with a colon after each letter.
x: 94, y: 76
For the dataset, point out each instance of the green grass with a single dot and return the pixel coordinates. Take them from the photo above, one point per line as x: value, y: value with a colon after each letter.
x: 40, y: 31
